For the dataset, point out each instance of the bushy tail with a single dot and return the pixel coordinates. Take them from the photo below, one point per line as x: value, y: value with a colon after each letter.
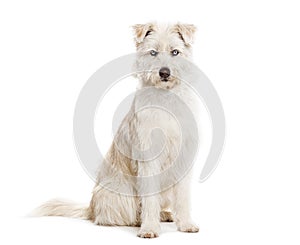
x: 63, y: 208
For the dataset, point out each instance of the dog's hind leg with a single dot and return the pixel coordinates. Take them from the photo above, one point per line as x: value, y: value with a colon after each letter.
x: 110, y: 208
x: 166, y: 216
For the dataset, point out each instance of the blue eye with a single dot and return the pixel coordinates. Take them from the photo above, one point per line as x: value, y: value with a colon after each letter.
x: 153, y: 53
x: 174, y: 52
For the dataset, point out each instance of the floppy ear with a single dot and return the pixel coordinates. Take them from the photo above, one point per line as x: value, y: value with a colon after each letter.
x: 186, y: 32
x: 141, y: 31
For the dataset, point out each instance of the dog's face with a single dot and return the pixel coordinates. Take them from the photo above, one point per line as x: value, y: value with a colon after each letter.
x: 158, y: 49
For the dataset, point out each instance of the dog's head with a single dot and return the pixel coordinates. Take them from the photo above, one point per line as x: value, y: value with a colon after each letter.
x: 158, y: 49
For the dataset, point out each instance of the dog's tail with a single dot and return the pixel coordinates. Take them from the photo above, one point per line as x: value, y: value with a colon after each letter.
x: 63, y: 208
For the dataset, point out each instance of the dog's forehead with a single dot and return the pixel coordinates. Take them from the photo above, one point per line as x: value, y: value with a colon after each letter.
x: 162, y: 28
x: 165, y: 36
x: 165, y: 31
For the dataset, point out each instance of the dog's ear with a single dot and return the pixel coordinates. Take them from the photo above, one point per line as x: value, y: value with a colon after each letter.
x: 186, y: 32
x: 141, y: 31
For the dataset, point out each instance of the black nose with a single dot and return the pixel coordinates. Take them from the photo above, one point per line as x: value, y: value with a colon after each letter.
x: 164, y: 72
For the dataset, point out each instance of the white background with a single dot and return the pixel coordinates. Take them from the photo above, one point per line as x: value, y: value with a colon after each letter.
x: 249, y: 49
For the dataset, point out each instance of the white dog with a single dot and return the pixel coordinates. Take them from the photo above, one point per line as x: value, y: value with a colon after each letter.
x: 135, y: 185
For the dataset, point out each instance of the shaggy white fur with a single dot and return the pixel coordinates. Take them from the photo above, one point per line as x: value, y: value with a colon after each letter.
x: 125, y: 193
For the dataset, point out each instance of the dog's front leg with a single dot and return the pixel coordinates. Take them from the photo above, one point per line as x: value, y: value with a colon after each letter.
x: 182, y: 206
x: 150, y: 205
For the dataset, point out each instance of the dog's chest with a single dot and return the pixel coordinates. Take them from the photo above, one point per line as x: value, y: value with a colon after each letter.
x: 161, y: 112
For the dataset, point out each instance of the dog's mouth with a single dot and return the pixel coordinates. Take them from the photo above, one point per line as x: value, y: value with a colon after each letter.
x: 166, y: 83
x: 167, y: 79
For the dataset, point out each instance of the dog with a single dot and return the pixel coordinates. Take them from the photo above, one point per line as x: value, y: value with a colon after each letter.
x: 126, y: 193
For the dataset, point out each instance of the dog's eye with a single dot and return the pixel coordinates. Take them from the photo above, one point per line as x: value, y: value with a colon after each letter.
x: 174, y: 52
x: 153, y: 53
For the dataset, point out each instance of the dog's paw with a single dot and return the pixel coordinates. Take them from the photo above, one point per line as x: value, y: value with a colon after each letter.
x: 188, y: 227
x: 148, y: 232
